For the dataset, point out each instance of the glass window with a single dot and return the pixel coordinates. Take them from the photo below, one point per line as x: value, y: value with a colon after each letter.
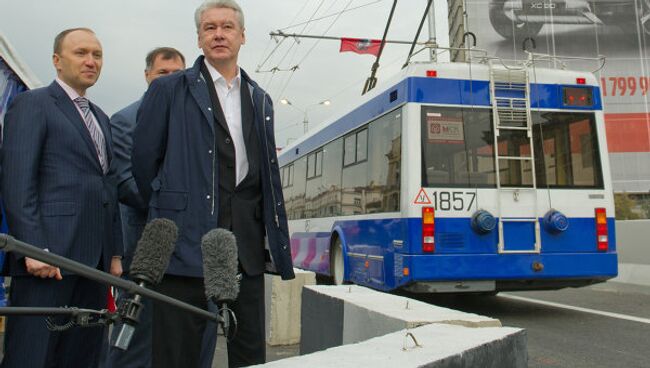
x: 566, y: 150
x: 458, y: 150
x: 457, y: 147
x: 319, y: 163
x: 311, y: 165
x: 362, y: 145
x: 384, y: 159
x: 349, y: 154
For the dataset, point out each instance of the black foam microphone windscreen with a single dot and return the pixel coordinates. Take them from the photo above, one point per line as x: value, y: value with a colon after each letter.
x: 220, y: 265
x: 154, y: 249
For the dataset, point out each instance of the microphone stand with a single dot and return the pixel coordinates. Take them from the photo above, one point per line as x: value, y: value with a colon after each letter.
x: 227, y: 319
x: 9, y: 244
x: 78, y: 317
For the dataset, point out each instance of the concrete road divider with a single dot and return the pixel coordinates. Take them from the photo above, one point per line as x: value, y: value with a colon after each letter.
x: 340, y: 315
x: 283, y: 307
x: 431, y: 346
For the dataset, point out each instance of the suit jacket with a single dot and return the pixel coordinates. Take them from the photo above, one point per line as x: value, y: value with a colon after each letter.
x: 240, y: 205
x: 56, y: 194
x: 175, y: 166
x: 132, y: 209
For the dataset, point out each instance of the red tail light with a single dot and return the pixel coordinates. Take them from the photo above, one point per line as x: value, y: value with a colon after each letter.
x: 428, y: 227
x: 602, y: 239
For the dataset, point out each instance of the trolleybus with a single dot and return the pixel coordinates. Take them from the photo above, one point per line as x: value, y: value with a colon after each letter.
x: 458, y: 177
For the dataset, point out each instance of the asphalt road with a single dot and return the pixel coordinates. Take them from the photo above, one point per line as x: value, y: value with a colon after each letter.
x: 560, y: 336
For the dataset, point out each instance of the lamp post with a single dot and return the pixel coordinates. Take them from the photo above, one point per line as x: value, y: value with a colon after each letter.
x: 305, y: 120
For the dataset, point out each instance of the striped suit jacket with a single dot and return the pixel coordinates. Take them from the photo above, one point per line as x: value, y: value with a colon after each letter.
x: 56, y: 195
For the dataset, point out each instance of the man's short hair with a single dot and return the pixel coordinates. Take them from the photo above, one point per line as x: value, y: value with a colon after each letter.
x: 58, y: 40
x: 210, y: 4
x: 166, y: 53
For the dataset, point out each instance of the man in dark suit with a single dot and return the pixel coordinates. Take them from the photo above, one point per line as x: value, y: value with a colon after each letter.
x: 58, y: 196
x: 204, y: 156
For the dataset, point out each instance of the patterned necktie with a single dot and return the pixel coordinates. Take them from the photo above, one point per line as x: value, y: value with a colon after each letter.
x: 95, y: 133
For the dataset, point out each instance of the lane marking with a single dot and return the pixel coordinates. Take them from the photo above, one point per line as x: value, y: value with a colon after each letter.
x: 579, y: 309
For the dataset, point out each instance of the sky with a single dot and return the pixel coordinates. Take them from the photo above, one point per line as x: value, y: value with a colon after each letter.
x: 128, y: 29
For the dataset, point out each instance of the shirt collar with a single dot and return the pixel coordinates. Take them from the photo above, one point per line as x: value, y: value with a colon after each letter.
x: 68, y: 90
x: 216, y: 76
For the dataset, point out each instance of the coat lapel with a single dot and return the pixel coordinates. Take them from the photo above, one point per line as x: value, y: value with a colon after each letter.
x: 199, y: 91
x: 247, y: 114
x: 217, y: 111
x: 63, y: 102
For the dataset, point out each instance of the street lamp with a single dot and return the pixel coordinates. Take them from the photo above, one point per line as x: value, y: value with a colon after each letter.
x: 305, y: 120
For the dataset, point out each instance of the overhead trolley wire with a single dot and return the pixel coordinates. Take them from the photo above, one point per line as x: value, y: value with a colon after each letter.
x: 313, y: 47
x: 332, y: 15
x: 273, y: 70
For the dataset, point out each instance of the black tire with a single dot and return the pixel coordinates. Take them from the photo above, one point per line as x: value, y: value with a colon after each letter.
x: 507, y: 28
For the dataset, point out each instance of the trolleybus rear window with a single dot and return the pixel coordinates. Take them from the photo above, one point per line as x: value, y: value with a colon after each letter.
x: 458, y: 150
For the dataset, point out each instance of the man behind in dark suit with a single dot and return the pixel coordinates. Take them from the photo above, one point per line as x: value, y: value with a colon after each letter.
x: 204, y: 156
x: 159, y: 62
x: 58, y: 196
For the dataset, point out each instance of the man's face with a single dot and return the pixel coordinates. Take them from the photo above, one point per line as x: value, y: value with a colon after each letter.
x: 162, y: 67
x: 79, y: 61
x: 220, y: 35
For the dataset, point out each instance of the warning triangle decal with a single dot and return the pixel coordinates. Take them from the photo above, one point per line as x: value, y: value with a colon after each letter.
x: 422, y: 198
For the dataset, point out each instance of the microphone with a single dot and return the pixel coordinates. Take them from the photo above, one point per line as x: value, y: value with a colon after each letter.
x: 220, y: 275
x: 150, y: 260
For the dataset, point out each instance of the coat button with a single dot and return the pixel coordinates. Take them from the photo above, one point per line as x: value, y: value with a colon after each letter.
x: 227, y: 140
x: 208, y: 196
x: 272, y: 160
x: 210, y: 151
x: 209, y: 109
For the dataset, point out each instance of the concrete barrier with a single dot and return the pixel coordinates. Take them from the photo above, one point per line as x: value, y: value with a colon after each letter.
x: 340, y: 315
x: 438, y: 346
x: 283, y: 307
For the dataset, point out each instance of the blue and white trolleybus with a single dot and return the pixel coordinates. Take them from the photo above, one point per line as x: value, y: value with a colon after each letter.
x: 458, y: 177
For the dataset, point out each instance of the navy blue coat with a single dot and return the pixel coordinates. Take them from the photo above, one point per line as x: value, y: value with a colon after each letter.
x: 55, y: 193
x: 176, y: 168
x: 132, y: 209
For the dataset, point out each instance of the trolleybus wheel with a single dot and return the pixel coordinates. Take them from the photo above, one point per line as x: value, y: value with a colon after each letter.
x: 337, y: 265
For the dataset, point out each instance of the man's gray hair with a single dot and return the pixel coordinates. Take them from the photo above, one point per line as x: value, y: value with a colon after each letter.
x: 210, y: 4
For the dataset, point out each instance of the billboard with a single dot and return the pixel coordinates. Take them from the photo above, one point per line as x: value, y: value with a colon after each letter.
x: 616, y: 29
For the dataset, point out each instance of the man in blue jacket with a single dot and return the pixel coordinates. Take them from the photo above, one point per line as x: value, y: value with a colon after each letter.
x: 204, y: 156
x: 159, y: 62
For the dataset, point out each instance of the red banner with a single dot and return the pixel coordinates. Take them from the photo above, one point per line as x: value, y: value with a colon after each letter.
x: 360, y: 46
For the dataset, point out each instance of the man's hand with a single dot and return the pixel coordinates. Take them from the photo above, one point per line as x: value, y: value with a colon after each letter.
x: 116, y: 266
x: 42, y: 270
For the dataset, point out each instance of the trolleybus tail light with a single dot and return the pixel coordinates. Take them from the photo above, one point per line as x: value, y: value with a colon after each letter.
x: 581, y: 81
x: 602, y: 239
x: 428, y: 226
x: 432, y: 73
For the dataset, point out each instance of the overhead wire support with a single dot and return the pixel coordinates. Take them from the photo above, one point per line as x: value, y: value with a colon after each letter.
x: 372, y: 80
x: 417, y: 35
x: 297, y: 36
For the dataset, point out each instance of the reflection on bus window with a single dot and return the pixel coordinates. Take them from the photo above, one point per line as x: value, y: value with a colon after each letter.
x: 458, y: 150
x: 348, y: 176
x: 457, y: 147
x: 569, y: 155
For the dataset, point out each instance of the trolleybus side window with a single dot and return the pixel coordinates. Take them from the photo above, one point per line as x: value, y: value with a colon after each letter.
x: 368, y: 183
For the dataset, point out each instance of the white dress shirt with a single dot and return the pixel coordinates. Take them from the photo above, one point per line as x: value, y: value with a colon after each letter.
x: 230, y: 100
